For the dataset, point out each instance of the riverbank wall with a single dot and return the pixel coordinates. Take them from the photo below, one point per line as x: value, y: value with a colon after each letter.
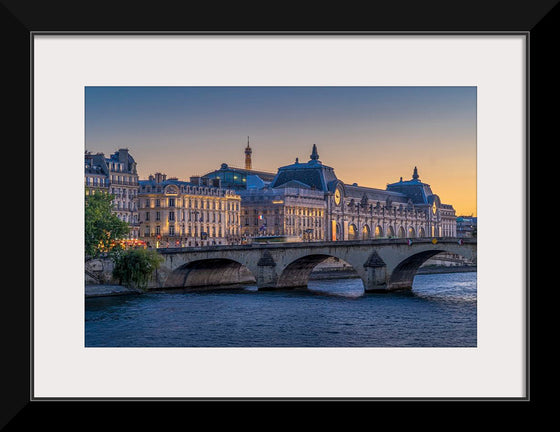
x: 100, y: 290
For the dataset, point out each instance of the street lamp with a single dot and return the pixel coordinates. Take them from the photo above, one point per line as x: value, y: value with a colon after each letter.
x: 265, y: 226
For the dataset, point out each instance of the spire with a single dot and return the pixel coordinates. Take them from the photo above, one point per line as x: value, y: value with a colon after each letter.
x: 248, y: 151
x: 415, y: 176
x: 314, y: 154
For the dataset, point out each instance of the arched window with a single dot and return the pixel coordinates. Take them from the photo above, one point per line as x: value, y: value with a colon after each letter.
x: 378, y: 232
x: 352, y: 232
x: 365, y: 232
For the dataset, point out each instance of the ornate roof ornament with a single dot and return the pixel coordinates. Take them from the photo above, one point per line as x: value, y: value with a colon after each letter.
x: 314, y: 154
x: 364, y: 201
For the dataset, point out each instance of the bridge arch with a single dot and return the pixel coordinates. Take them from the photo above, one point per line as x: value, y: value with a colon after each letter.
x: 402, y: 275
x: 401, y: 233
x: 297, y: 272
x: 209, y: 273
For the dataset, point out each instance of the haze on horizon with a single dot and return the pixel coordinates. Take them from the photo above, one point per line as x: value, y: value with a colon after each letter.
x: 369, y: 135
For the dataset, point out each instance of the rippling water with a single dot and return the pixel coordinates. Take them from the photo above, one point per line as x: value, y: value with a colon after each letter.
x: 440, y: 311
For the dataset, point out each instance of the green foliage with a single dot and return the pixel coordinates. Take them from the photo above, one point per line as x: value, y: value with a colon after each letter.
x: 134, y: 267
x: 102, y: 227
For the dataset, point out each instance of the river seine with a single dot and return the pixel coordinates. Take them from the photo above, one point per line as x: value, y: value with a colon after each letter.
x: 440, y: 311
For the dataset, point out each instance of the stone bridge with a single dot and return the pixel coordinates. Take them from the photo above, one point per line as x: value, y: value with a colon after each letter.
x: 382, y: 264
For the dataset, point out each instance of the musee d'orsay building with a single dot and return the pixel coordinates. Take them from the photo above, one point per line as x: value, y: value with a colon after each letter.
x: 307, y: 200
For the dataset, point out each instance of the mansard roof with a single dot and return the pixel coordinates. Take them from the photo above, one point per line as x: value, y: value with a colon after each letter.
x: 313, y: 173
x: 122, y: 155
x: 294, y: 184
x: 164, y: 183
x: 419, y: 192
x: 95, y: 164
x: 373, y: 194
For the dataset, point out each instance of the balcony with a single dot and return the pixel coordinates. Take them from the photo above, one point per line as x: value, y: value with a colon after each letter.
x: 124, y: 183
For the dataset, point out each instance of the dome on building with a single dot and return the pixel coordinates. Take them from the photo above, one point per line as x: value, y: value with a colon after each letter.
x: 313, y: 173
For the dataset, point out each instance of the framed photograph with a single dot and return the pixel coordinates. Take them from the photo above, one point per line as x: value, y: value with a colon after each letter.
x: 207, y: 108
x: 389, y: 110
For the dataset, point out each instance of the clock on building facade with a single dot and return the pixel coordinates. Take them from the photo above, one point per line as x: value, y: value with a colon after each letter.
x: 337, y: 196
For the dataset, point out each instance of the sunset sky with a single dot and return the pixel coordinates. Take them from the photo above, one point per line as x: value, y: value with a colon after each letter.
x: 369, y: 135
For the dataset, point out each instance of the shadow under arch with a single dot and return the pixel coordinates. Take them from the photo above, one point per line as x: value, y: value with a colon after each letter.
x: 210, y: 273
x: 298, y: 273
x: 402, y: 276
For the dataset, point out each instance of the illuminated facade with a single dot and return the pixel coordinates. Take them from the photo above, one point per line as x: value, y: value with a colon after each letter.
x: 292, y: 211
x: 118, y: 176
x: 311, y: 200
x: 175, y: 213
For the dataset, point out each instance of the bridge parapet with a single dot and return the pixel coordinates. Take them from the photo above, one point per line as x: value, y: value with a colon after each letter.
x: 303, y: 245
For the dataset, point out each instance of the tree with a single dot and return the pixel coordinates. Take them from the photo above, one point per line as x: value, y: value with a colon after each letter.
x: 102, y: 227
x: 134, y: 267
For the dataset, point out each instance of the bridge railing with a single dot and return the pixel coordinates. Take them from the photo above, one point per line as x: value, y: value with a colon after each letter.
x: 273, y: 245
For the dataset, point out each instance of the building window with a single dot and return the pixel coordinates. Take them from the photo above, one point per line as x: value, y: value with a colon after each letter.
x: 171, y: 202
x: 158, y: 216
x: 171, y: 216
x: 157, y: 203
x: 171, y: 230
x: 147, y: 216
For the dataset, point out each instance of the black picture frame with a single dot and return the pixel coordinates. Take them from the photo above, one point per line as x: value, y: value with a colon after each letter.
x: 20, y: 19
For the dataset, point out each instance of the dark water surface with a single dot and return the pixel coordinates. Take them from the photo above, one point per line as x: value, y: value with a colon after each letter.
x: 440, y: 311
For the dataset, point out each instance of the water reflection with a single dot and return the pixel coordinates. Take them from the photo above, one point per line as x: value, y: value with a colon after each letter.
x: 439, y: 311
